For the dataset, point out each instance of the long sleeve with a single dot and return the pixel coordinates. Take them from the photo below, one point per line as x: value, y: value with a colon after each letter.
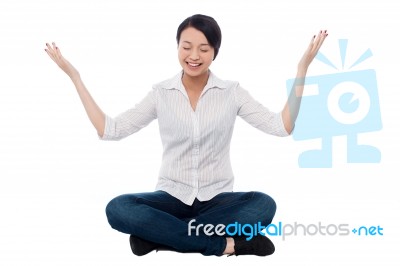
x: 132, y: 120
x: 258, y: 115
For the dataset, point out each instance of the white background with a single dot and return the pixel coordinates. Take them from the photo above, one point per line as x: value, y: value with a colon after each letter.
x: 56, y: 177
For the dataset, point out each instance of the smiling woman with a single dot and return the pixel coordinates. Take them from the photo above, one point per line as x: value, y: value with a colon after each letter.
x: 195, y: 57
x: 199, y: 40
x: 209, y: 29
x: 196, y: 113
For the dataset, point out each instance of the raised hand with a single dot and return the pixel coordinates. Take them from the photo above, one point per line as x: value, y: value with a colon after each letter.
x: 292, y: 106
x: 312, y: 50
x: 95, y: 114
x: 55, y: 54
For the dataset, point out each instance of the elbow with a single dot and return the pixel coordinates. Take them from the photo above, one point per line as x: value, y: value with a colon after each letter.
x: 289, y: 130
x: 100, y: 134
x: 101, y: 127
x: 100, y: 131
x: 287, y: 125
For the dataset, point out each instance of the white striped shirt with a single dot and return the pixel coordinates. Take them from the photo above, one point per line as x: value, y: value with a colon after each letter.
x: 196, y: 143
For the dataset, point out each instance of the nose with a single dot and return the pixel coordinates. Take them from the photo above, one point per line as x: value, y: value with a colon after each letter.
x: 194, y: 55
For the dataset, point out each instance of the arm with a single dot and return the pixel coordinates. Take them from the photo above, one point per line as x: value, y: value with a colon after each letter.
x: 292, y: 106
x: 95, y: 114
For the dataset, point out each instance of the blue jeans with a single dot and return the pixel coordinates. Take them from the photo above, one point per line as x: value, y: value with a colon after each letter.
x: 161, y: 218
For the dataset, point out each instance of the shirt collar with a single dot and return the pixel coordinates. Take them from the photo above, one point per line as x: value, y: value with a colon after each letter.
x: 213, y: 83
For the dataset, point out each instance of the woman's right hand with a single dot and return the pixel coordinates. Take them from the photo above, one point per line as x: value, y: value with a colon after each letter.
x: 55, y: 54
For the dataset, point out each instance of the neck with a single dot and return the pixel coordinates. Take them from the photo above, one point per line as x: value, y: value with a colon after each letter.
x: 195, y: 83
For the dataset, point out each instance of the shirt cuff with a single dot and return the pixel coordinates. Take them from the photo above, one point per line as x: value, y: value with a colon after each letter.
x: 283, y: 132
x: 108, y: 126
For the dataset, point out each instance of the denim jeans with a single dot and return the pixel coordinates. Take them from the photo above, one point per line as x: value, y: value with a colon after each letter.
x: 161, y: 218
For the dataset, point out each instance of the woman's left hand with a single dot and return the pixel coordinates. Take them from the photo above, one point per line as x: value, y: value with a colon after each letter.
x: 312, y: 50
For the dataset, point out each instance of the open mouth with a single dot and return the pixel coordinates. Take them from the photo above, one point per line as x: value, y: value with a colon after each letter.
x: 193, y: 65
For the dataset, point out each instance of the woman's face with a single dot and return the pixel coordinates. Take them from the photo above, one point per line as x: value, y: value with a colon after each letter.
x: 194, y: 52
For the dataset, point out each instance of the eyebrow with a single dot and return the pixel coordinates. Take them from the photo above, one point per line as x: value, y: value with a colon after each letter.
x: 200, y: 44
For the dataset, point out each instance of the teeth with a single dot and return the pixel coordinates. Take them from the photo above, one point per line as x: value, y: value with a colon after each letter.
x: 194, y: 65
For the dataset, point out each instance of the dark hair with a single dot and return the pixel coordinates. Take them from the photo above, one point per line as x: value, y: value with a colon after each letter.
x: 207, y: 25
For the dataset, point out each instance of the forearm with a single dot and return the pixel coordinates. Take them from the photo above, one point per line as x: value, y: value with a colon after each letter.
x: 95, y: 114
x: 292, y: 106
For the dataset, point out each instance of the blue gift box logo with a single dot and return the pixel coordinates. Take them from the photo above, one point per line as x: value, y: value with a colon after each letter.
x: 344, y: 103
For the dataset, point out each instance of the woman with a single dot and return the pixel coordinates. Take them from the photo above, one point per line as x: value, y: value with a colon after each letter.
x: 196, y: 112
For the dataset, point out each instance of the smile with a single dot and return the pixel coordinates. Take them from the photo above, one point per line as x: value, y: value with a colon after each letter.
x: 193, y: 65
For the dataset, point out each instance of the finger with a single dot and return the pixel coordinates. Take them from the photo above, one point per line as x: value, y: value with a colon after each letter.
x: 48, y: 48
x: 317, y: 42
x: 310, y: 47
x: 312, y: 41
x: 321, y: 38
x: 55, y: 49
x: 50, y: 51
